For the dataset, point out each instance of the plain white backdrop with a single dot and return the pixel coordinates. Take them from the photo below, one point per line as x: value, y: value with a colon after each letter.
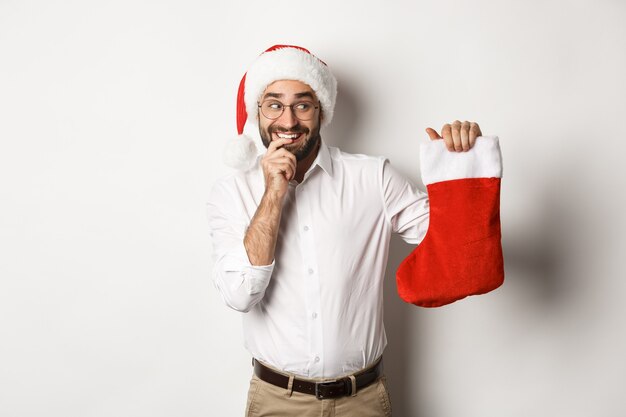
x: 112, y: 120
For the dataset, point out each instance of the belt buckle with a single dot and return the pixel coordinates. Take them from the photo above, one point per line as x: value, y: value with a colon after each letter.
x: 330, y: 384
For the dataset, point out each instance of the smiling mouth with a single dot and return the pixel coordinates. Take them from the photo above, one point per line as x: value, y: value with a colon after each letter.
x: 293, y: 136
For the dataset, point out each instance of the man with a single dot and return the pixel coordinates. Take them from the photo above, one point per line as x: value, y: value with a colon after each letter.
x: 301, y: 236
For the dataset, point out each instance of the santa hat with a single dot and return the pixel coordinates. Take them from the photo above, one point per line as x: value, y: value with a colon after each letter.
x: 280, y: 62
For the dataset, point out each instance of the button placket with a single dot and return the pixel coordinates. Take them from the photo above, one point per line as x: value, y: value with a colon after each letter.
x: 310, y: 278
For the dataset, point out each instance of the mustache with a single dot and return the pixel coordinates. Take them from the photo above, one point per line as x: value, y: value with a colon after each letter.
x: 295, y: 129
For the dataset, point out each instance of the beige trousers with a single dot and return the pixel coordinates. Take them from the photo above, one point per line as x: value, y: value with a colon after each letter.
x: 267, y: 400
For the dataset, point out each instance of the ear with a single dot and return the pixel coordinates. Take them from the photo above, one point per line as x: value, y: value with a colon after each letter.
x: 321, y: 115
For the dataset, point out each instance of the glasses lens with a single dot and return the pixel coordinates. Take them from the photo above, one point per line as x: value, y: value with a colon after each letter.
x: 304, y: 110
x: 274, y: 109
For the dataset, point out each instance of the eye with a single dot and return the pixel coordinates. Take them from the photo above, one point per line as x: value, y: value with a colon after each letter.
x: 274, y: 105
x: 303, y: 106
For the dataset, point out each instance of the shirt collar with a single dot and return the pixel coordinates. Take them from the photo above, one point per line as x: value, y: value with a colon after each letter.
x: 323, y: 158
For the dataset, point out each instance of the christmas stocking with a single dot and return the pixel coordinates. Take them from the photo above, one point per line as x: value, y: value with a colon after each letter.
x: 461, y: 254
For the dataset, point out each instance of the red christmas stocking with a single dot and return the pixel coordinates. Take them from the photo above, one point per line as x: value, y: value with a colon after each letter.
x: 461, y: 254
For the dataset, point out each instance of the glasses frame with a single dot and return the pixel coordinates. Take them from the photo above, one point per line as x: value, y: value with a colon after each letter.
x: 260, y: 106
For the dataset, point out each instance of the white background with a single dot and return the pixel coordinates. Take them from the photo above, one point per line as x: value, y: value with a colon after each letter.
x: 113, y: 115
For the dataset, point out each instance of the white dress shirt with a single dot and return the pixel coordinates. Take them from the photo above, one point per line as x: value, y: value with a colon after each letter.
x: 317, y: 310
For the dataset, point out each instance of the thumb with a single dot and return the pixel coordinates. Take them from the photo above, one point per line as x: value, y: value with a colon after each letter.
x: 432, y: 134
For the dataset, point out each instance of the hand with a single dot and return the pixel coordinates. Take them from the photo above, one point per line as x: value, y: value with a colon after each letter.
x: 459, y: 137
x: 279, y: 166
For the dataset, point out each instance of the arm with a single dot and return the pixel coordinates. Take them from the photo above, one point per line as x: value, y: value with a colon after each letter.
x: 240, y: 283
x: 260, y: 239
x: 279, y: 165
x: 244, y: 254
x: 407, y: 207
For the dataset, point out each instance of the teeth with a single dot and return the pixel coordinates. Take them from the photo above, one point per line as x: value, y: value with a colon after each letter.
x: 283, y: 136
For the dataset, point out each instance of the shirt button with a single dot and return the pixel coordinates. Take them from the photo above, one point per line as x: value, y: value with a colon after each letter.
x: 317, y: 359
x: 310, y: 270
x: 306, y: 228
x: 314, y: 315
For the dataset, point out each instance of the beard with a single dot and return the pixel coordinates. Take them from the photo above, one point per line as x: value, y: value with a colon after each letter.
x: 303, y: 147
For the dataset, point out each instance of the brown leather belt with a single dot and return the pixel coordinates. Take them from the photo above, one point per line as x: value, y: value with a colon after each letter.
x: 322, y: 390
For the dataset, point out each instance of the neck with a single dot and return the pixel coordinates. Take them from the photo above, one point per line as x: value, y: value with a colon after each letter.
x: 303, y: 165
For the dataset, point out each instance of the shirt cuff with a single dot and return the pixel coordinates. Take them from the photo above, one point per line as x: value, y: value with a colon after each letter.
x: 438, y: 164
x: 256, y: 277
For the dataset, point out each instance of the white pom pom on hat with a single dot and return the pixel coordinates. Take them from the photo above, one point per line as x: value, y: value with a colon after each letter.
x: 280, y: 62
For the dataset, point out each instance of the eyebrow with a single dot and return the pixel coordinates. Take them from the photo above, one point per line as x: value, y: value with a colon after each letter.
x: 305, y: 94
x: 297, y: 95
x: 274, y: 95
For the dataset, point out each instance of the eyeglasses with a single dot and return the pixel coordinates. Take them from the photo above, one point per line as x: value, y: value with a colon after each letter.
x: 303, y: 110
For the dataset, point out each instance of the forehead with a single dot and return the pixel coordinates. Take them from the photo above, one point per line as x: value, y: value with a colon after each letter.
x: 288, y: 88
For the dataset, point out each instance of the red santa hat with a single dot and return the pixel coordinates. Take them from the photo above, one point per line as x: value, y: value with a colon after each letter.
x: 280, y: 62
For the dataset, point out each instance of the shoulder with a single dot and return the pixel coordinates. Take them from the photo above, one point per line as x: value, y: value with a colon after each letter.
x: 375, y: 168
x: 236, y: 183
x: 357, y: 161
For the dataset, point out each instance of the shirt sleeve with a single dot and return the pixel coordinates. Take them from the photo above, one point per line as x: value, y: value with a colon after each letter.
x: 240, y: 283
x: 406, y: 206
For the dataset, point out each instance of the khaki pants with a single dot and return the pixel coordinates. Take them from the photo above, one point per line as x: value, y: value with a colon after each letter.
x: 267, y: 400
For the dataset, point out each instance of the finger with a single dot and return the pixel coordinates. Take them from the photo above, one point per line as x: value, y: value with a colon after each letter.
x: 289, y: 159
x: 288, y: 156
x: 276, y: 169
x: 432, y: 133
x: 456, y: 136
x: 474, y: 133
x: 280, y: 155
x: 446, y: 131
x: 280, y: 159
x: 465, y: 141
x: 284, y: 153
x: 277, y: 144
x: 284, y: 169
x: 285, y: 157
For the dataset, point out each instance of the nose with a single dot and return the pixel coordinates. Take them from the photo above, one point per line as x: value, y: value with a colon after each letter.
x: 288, y: 118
